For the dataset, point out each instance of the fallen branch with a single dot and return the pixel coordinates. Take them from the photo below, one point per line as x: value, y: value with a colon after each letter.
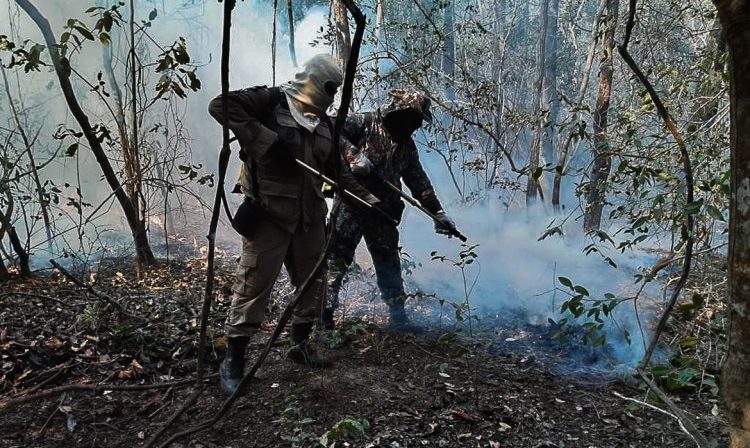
x: 185, y: 406
x: 90, y: 288
x: 13, y: 402
x: 59, y: 371
x: 686, y: 424
x: 655, y: 408
x: 34, y: 296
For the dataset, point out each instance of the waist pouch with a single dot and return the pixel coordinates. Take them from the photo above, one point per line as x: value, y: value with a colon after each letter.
x: 248, y: 216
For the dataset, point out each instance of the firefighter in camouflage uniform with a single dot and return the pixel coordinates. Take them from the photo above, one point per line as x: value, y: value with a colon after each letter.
x: 383, y: 150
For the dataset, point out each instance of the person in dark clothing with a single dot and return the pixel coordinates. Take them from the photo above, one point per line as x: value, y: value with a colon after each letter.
x: 274, y: 127
x: 381, y: 149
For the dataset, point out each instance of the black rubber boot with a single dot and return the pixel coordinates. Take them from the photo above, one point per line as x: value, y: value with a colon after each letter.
x: 302, y: 353
x: 326, y: 320
x: 400, y: 322
x: 232, y: 368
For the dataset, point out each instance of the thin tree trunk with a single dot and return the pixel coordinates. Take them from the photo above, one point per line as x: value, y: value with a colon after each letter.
x: 601, y: 165
x: 290, y: 14
x: 4, y: 274
x: 716, y: 48
x: 378, y: 29
x: 343, y: 39
x: 532, y: 185
x: 550, y: 100
x: 133, y: 159
x: 562, y: 161
x: 448, y: 62
x: 137, y: 228
x: 6, y: 226
x: 735, y: 16
x: 43, y: 203
x: 273, y: 42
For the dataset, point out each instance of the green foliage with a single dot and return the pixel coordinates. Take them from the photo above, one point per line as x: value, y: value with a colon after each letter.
x: 346, y: 427
x: 192, y: 173
x: 29, y: 55
x: 463, y: 311
x: 588, y: 312
x: 295, y: 421
x: 684, y: 373
x: 176, y: 76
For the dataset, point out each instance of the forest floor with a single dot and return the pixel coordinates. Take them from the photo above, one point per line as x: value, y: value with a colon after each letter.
x: 440, y: 389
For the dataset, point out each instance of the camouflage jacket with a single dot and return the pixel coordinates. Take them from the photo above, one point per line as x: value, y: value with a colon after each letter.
x: 391, y: 161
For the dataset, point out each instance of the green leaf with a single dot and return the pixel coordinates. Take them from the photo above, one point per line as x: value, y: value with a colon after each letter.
x: 104, y: 39
x: 565, y: 281
x: 689, y: 341
x: 84, y: 32
x: 152, y: 14
x: 714, y: 212
x: 694, y: 207
x: 71, y: 151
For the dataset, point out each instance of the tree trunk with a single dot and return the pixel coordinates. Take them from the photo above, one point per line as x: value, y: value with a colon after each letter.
x: 532, y: 185
x: 4, y: 274
x: 378, y: 29
x: 716, y: 48
x: 595, y: 199
x: 343, y: 40
x: 62, y: 69
x: 290, y: 15
x: 735, y: 16
x: 562, y: 161
x: 550, y: 101
x: 43, y: 202
x: 448, y: 62
x: 6, y: 227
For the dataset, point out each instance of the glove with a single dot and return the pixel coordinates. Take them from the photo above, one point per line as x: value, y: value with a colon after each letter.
x: 443, y: 224
x: 280, y: 154
x: 360, y: 165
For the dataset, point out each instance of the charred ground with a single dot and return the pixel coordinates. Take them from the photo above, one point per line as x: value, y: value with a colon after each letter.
x: 439, y: 389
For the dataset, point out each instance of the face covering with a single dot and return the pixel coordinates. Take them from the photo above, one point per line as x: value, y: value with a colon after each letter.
x: 404, y: 111
x: 314, y: 87
x: 402, y: 123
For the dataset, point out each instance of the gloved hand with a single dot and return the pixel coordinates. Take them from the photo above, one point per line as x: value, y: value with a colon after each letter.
x: 280, y: 153
x: 443, y: 224
x: 360, y: 165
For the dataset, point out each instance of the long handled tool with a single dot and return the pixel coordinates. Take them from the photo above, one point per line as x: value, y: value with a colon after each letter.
x: 344, y: 191
x: 335, y: 185
x: 415, y: 203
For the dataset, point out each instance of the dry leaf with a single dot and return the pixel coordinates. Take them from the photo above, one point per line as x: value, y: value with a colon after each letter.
x: 463, y: 415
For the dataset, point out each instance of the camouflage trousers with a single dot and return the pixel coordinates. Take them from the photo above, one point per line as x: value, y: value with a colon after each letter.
x: 260, y: 263
x: 382, y: 242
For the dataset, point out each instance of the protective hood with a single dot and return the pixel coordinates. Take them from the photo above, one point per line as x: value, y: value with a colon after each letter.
x: 403, y: 99
x: 315, y: 85
x: 404, y: 112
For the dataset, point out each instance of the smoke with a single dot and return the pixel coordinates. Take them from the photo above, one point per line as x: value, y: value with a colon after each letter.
x: 199, y: 22
x: 515, y: 276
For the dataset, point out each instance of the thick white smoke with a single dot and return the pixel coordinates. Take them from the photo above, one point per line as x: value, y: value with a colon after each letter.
x: 513, y: 272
